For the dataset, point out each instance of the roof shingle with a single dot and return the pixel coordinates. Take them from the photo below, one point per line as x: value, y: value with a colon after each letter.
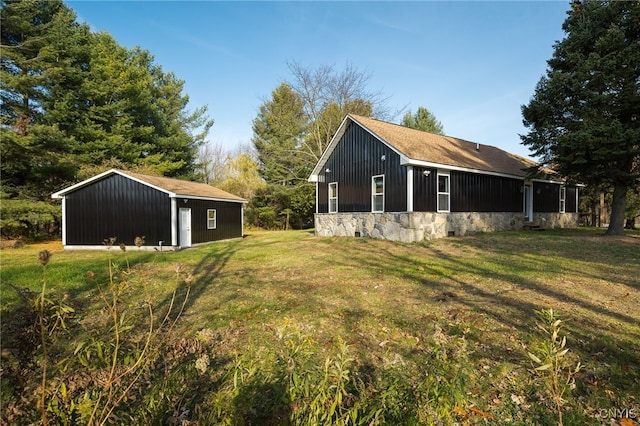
x: 183, y: 187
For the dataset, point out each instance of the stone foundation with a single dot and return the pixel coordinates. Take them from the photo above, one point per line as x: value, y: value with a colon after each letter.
x: 419, y: 226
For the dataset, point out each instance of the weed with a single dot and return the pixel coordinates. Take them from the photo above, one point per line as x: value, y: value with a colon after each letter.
x: 552, y: 368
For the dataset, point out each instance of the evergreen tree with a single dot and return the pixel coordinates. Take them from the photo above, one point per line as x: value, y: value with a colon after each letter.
x: 73, y: 100
x: 423, y: 120
x: 43, y: 56
x: 584, y: 117
x: 278, y: 131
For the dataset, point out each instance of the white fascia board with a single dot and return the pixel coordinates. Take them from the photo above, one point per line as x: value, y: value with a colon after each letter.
x: 557, y: 182
x: 193, y: 197
x: 63, y: 192
x: 140, y: 181
x: 327, y: 152
x: 336, y: 138
x: 404, y: 161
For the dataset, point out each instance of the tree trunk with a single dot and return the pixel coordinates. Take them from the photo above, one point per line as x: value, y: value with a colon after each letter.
x: 618, y: 208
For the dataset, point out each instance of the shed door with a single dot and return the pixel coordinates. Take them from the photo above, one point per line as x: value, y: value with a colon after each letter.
x: 185, y: 227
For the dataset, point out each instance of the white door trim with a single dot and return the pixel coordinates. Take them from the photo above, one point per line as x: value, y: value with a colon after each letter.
x: 185, y: 227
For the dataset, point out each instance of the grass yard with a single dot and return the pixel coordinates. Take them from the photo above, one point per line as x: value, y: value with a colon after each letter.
x: 289, y: 328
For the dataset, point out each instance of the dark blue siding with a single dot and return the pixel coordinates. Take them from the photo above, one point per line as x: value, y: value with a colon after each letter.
x: 228, y: 223
x: 571, y: 205
x: 472, y: 192
x: 469, y: 192
x: 546, y: 197
x: 117, y: 207
x: 355, y: 160
x: 358, y: 157
x: 425, y: 190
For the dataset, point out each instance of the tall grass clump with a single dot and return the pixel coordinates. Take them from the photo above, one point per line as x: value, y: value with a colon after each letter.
x: 112, y: 368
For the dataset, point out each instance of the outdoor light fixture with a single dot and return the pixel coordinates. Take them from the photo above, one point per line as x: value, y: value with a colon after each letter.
x: 426, y: 172
x: 328, y: 170
x: 384, y: 157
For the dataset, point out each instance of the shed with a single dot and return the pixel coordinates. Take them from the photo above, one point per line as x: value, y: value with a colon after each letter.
x: 389, y: 181
x: 168, y: 213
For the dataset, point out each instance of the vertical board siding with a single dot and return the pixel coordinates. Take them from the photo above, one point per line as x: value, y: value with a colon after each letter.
x: 354, y: 161
x: 357, y: 158
x: 472, y: 192
x: 117, y: 207
x: 469, y: 192
x: 425, y: 190
x: 228, y: 220
x: 570, y: 203
x: 546, y: 197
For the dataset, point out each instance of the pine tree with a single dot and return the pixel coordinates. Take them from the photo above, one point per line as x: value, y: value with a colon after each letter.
x: 423, y: 120
x: 584, y: 117
x: 279, y: 130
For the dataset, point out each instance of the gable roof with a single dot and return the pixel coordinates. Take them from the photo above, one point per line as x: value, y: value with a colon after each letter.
x: 419, y: 148
x: 173, y: 187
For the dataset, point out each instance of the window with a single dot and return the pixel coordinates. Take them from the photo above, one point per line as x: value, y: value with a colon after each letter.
x: 377, y: 194
x: 333, y: 197
x: 563, y: 197
x: 443, y: 192
x: 211, y: 218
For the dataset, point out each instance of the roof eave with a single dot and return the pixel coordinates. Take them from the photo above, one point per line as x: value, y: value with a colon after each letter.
x: 198, y: 197
x: 61, y: 194
x: 420, y: 163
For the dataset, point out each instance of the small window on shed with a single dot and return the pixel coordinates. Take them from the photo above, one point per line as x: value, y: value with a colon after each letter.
x: 211, y: 218
x: 333, y: 197
x: 563, y: 199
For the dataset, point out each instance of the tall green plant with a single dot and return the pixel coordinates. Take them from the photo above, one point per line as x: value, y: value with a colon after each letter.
x: 552, y: 367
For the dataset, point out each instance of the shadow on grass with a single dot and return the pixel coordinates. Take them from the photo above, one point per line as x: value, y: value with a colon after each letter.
x: 506, y: 283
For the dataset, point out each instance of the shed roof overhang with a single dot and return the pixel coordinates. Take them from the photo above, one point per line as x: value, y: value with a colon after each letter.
x: 172, y: 194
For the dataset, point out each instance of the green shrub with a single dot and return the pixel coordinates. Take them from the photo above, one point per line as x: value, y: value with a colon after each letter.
x: 29, y: 220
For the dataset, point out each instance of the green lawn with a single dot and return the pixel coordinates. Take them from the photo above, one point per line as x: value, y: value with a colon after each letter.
x: 436, y: 332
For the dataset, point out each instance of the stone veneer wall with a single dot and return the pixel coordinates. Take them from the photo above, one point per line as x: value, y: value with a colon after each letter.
x: 419, y: 226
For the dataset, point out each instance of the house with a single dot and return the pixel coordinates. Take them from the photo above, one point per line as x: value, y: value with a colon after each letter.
x: 168, y: 213
x: 384, y: 180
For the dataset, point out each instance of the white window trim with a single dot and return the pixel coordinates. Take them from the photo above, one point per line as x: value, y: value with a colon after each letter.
x: 563, y: 199
x: 330, y: 197
x: 448, y: 194
x: 215, y: 219
x: 374, y: 195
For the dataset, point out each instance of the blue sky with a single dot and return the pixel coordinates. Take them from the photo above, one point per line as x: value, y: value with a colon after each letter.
x: 473, y: 64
